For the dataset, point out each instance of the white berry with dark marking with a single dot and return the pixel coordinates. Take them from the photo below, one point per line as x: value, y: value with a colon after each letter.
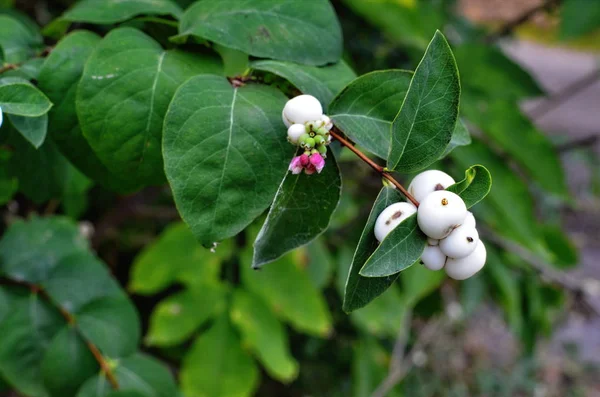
x: 428, y: 182
x: 391, y: 217
x: 461, y: 242
x: 440, y: 212
x: 463, y: 268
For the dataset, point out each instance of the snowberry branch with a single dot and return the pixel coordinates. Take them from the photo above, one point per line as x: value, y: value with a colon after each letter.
x: 336, y: 134
x: 12, y: 66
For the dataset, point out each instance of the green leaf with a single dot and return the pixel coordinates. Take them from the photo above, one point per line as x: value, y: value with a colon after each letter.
x: 579, y: 17
x: 564, y: 250
x: 176, y: 318
x: 138, y: 373
x: 67, y: 363
x: 476, y: 185
x: 398, y: 251
x: 319, y: 262
x: 286, y: 287
x: 460, y: 137
x: 18, y: 42
x: 26, y: 333
x: 365, y: 109
x: 423, y: 127
x: 20, y: 97
x: 359, y: 290
x: 113, y: 11
x: 321, y: 82
x: 58, y: 79
x: 370, y: 367
x: 225, y: 174
x: 383, y: 316
x: 32, y: 128
x: 301, y: 211
x: 262, y: 333
x: 235, y: 62
x: 303, y: 32
x: 217, y: 366
x: 126, y: 87
x: 176, y: 256
x: 28, y: 70
x: 418, y: 282
x: 8, y: 184
x: 112, y: 324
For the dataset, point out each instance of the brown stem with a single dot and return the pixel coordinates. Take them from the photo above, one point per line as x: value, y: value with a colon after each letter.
x: 11, y: 66
x: 510, y: 26
x: 336, y: 133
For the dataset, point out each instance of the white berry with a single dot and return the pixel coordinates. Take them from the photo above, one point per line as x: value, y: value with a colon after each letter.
x: 302, y: 109
x: 432, y: 241
x: 295, y: 132
x: 327, y: 122
x: 391, y: 217
x: 433, y: 258
x: 469, y: 220
x: 463, y: 268
x: 440, y: 212
x: 428, y: 182
x: 287, y: 123
x: 461, y: 242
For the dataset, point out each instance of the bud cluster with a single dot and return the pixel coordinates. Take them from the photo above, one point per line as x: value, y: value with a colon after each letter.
x: 308, y: 128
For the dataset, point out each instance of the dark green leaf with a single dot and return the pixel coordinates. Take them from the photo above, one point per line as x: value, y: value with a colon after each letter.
x: 18, y: 41
x: 460, y: 137
x: 122, y: 98
x: 423, y: 128
x: 113, y: 11
x: 225, y: 174
x: 262, y: 332
x: 20, y: 97
x: 579, y: 17
x: 476, y: 185
x: 564, y: 251
x: 8, y: 184
x: 304, y: 32
x: 365, y: 109
x: 301, y: 211
x: 359, y: 290
x: 217, y: 366
x: 33, y: 129
x: 321, y: 82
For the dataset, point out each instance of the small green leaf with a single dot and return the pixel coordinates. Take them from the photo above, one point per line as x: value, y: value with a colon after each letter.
x: 18, y: 42
x: 225, y: 174
x: 398, y: 251
x: 423, y: 127
x: 321, y: 82
x: 460, y: 137
x: 301, y: 211
x: 32, y: 128
x: 217, y: 366
x: 113, y: 11
x: 20, y: 97
x: 365, y: 109
x: 262, y: 332
x: 303, y: 32
x: 176, y: 318
x: 476, y: 185
x: 359, y: 290
x: 126, y: 86
x: 579, y: 17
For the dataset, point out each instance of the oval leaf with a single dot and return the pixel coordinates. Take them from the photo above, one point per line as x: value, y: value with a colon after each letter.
x: 18, y: 96
x: 476, y: 185
x: 113, y: 11
x: 299, y: 31
x: 32, y: 128
x: 301, y: 211
x: 225, y: 154
x: 18, y: 41
x: 423, y: 128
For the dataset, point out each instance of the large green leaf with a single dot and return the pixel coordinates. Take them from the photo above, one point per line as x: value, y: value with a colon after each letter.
x: 18, y: 41
x: 226, y: 173
x: 217, y: 366
x: 176, y: 318
x: 113, y: 11
x: 365, y: 109
x: 423, y: 128
x: 262, y: 332
x: 286, y: 287
x: 123, y: 96
x: 321, y: 82
x: 306, y: 32
x: 301, y: 211
x: 476, y: 185
x: 58, y: 79
x: 579, y: 17
x: 359, y: 290
x: 33, y: 129
x: 20, y: 97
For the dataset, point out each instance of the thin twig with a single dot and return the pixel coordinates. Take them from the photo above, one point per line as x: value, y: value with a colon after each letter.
x: 510, y: 26
x: 578, y: 143
x: 12, y: 66
x: 336, y: 134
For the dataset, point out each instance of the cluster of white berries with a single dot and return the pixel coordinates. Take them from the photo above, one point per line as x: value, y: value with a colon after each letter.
x: 453, y: 241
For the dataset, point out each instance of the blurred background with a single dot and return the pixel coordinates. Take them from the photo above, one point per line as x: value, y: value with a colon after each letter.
x: 527, y: 325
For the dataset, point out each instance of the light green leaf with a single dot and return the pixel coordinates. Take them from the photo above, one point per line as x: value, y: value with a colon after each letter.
x: 217, y: 366
x: 303, y: 32
x: 286, y: 287
x: 476, y: 185
x: 301, y: 211
x: 423, y: 128
x: 32, y: 128
x: 20, y: 97
x: 262, y: 332
x: 418, y: 282
x: 18, y: 42
x: 319, y: 263
x: 177, y: 317
x: 122, y: 98
x: 113, y: 11
x: 365, y: 109
x: 383, y: 316
x: 226, y: 173
x: 579, y: 17
x: 28, y: 70
x: 460, y: 137
x: 321, y: 82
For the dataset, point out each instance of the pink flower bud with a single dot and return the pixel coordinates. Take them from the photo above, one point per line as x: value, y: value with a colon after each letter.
x: 317, y: 161
x: 310, y: 169
x: 296, y: 165
x: 304, y: 160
